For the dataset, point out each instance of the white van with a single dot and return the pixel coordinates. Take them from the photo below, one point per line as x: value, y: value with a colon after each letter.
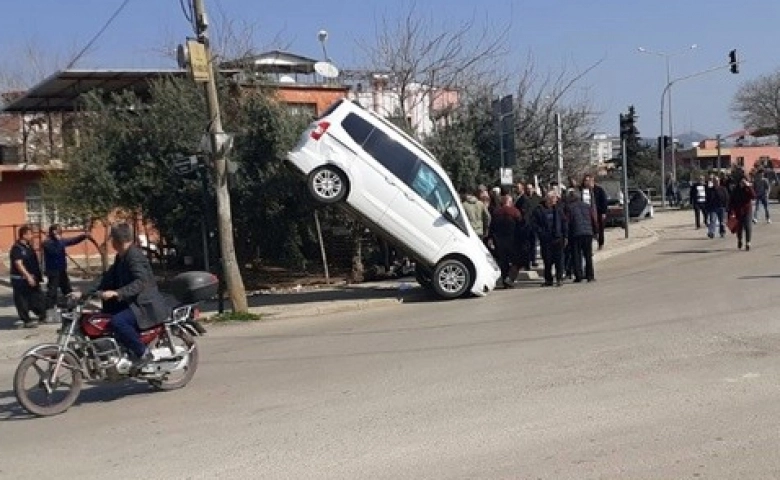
x: 394, y: 185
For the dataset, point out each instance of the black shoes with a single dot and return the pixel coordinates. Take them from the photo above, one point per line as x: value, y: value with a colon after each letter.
x: 140, y: 363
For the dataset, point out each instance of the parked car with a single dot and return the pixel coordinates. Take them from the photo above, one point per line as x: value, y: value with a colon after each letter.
x: 397, y: 188
x: 639, y: 207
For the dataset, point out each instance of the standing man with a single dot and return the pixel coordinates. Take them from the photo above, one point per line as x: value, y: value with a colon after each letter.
x: 26, y: 280
x: 581, y: 226
x: 761, y: 186
x: 549, y: 222
x: 699, y: 201
x: 527, y: 205
x: 597, y: 199
x: 56, y: 263
x: 504, y: 227
x: 476, y: 212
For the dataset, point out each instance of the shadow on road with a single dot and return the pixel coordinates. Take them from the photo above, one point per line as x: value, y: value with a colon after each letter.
x: 10, y: 410
x: 758, y: 277
x: 693, y: 251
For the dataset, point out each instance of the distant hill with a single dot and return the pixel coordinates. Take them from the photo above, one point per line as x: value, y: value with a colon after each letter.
x: 686, y: 139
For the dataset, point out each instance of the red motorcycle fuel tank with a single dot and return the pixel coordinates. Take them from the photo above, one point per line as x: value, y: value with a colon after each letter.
x: 95, y: 325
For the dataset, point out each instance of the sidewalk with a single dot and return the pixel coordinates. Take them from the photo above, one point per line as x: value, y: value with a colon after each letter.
x: 279, y: 304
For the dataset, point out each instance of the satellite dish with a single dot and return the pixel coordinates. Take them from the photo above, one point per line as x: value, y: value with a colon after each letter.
x: 286, y: 79
x: 326, y: 69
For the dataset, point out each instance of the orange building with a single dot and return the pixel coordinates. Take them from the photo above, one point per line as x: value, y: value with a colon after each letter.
x: 745, y: 153
x: 33, y: 131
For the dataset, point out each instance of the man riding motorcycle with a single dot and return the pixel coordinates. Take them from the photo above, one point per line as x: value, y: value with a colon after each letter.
x: 129, y: 293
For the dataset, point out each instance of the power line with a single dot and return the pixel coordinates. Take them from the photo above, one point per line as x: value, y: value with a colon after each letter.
x: 98, y: 34
x: 187, y: 10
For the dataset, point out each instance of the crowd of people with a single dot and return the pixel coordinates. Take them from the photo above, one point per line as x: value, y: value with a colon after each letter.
x: 722, y: 202
x: 563, y: 223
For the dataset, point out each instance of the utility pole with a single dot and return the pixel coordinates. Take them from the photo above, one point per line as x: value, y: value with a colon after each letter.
x: 230, y: 270
x: 559, y: 149
x: 717, y: 137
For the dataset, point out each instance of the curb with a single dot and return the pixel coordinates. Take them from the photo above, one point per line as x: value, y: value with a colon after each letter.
x: 283, y: 312
x: 604, y: 255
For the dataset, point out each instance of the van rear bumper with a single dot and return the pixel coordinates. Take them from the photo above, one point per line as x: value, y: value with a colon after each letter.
x: 304, y: 162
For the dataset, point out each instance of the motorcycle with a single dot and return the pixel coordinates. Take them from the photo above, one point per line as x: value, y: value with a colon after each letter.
x: 50, y: 376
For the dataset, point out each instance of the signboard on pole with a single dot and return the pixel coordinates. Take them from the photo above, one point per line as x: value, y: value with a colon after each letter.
x: 200, y: 69
x: 507, y: 176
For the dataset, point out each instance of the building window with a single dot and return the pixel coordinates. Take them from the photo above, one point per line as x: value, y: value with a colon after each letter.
x: 741, y: 161
x: 308, y: 110
x: 43, y: 214
x: 9, y: 155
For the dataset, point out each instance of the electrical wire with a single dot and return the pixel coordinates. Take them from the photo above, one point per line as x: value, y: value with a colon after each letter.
x: 98, y: 34
x: 188, y: 11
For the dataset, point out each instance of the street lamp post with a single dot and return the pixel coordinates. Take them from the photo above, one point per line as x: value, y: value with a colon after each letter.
x: 667, y: 57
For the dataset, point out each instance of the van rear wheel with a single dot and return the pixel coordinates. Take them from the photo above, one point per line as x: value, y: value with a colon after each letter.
x: 328, y: 184
x: 451, y: 279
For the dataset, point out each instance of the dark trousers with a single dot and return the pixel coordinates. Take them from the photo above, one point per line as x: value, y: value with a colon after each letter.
x: 530, y: 245
x: 761, y: 200
x: 745, y: 227
x: 701, y: 213
x: 569, y: 258
x: 552, y: 255
x: 600, y: 227
x: 26, y: 299
x: 583, y: 253
x: 57, y: 280
x: 127, y: 333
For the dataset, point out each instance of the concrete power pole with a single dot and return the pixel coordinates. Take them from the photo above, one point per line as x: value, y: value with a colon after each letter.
x: 230, y: 270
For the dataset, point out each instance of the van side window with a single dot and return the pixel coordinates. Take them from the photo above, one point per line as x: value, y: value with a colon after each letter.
x: 434, y: 190
x: 357, y: 128
x: 391, y: 154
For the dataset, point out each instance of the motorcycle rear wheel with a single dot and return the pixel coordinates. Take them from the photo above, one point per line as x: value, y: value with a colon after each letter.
x: 33, y: 396
x: 166, y: 384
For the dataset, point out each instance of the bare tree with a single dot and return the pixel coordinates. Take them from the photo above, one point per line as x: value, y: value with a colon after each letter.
x: 426, y: 61
x: 540, y: 96
x: 757, y: 103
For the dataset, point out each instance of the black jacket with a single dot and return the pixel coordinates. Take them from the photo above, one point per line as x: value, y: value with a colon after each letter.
x: 717, y: 197
x: 131, y: 276
x: 549, y: 223
x: 580, y: 219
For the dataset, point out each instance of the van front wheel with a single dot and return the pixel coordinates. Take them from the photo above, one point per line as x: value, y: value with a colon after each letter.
x: 451, y: 279
x: 327, y: 184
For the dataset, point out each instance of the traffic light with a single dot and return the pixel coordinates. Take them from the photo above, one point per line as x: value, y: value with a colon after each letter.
x: 627, y: 128
x: 733, y: 61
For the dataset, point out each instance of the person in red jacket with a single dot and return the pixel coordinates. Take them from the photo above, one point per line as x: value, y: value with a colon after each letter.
x: 740, y: 206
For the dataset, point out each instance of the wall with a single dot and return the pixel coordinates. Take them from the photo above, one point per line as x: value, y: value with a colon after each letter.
x: 321, y: 96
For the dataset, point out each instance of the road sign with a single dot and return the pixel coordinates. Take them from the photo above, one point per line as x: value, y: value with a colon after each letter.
x: 185, y: 165
x: 200, y: 69
x: 507, y: 176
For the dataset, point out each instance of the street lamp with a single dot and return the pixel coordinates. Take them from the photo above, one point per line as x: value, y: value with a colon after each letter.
x: 322, y: 36
x: 667, y: 89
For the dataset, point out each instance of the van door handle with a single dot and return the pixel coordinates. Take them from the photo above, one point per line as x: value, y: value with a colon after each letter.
x: 409, y: 196
x: 390, y: 181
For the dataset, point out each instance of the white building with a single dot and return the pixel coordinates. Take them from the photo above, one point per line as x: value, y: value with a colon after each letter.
x: 603, y: 148
x: 424, y: 105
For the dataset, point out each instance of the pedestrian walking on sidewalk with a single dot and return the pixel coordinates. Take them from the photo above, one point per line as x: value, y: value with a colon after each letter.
x: 56, y: 263
x: 717, y: 203
x: 740, y: 205
x: 550, y: 224
x: 761, y: 186
x: 26, y: 280
x: 698, y: 195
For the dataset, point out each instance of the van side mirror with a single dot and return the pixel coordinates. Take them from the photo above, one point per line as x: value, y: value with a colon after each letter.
x: 452, y: 213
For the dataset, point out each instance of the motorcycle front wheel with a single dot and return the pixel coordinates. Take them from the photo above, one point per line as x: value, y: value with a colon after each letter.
x: 42, y: 393
x: 179, y: 378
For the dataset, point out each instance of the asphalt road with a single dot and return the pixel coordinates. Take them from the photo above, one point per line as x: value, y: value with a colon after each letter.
x: 666, y: 367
